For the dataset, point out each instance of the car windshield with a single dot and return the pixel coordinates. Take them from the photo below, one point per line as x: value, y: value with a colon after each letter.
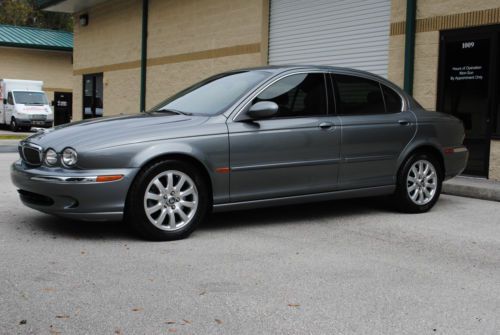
x: 213, y: 95
x: 30, y: 98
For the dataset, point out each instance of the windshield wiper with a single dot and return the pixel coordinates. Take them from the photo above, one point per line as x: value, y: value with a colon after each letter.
x: 175, y: 111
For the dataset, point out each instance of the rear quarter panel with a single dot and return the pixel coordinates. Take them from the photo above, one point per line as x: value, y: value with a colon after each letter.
x: 439, y: 131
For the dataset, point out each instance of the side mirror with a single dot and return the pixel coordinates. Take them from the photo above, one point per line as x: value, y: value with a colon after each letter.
x: 4, y: 101
x: 263, y: 110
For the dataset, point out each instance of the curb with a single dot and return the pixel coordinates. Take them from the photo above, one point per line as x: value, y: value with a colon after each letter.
x: 473, y: 188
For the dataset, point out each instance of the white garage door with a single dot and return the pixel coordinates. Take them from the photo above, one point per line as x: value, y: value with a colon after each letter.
x: 350, y: 33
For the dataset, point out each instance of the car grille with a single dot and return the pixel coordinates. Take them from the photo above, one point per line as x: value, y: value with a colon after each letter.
x: 30, y: 153
x: 38, y: 117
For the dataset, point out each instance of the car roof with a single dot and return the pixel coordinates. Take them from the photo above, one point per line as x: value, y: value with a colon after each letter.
x: 289, y: 67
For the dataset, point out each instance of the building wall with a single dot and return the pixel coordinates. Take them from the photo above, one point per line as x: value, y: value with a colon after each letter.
x: 54, y: 68
x: 187, y: 41
x: 111, y: 44
x: 433, y: 16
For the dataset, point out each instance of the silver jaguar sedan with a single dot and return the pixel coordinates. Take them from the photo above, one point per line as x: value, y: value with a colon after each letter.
x: 244, y: 139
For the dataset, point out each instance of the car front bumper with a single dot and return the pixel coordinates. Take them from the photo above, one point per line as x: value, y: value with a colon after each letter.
x: 34, y: 123
x: 73, y: 194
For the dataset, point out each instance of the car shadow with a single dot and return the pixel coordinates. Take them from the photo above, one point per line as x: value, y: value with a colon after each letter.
x: 292, y: 214
x: 73, y: 229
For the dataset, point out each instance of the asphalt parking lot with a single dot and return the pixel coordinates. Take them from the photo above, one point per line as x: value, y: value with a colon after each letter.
x: 344, y: 267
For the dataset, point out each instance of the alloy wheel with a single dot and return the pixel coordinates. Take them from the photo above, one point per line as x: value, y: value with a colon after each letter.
x: 171, y: 200
x: 422, y: 182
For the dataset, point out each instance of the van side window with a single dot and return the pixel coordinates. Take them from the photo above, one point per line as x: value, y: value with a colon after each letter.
x: 393, y: 102
x: 297, y: 95
x: 358, y: 96
x: 10, y: 101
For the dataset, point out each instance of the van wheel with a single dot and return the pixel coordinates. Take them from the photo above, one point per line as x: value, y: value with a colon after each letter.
x: 419, y: 184
x: 167, y: 201
x: 13, y: 125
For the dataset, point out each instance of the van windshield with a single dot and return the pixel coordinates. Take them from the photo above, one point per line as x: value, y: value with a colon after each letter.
x: 30, y: 98
x: 213, y: 95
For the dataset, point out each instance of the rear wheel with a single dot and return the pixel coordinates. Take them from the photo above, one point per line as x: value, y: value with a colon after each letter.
x: 167, y: 201
x: 13, y: 125
x: 419, y: 183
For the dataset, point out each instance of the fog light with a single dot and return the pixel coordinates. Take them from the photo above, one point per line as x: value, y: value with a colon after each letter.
x: 69, y: 157
x: 50, y: 157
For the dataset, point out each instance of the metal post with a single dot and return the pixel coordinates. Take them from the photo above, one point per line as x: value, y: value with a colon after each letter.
x: 144, y: 54
x: 411, y: 10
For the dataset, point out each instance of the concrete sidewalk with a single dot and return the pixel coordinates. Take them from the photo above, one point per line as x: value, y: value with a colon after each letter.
x: 473, y: 188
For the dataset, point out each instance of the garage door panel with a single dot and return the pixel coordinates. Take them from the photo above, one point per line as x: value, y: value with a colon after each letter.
x: 352, y: 33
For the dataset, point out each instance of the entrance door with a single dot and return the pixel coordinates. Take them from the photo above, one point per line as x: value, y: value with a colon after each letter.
x: 467, y: 79
x: 63, y: 103
x: 92, y: 95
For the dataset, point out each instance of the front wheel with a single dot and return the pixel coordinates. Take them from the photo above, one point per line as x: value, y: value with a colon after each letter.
x: 13, y: 125
x: 419, y: 184
x: 167, y: 201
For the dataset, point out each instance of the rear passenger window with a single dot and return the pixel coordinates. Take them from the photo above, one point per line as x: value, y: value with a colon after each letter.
x: 393, y: 103
x: 358, y: 96
x: 297, y: 95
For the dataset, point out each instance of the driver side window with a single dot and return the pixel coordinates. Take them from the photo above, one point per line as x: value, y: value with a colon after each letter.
x: 297, y: 95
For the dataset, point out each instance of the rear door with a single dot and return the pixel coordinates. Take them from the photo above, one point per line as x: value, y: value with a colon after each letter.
x: 375, y: 130
x: 296, y: 152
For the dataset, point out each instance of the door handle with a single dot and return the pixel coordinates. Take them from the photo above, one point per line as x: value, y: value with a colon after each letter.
x: 404, y: 122
x: 325, y: 125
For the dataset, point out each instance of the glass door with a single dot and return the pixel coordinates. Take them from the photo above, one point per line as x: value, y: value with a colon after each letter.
x: 466, y: 90
x: 92, y: 95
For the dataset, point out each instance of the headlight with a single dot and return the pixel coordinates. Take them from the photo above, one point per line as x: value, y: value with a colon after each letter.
x: 69, y: 157
x: 50, y: 157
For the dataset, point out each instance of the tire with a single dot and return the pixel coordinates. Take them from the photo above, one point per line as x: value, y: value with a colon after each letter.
x: 165, y: 201
x: 419, y: 183
x: 13, y: 125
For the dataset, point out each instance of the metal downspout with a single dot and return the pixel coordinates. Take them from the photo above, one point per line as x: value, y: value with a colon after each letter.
x: 144, y: 53
x: 411, y: 10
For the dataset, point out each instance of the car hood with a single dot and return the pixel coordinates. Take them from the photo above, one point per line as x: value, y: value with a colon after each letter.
x: 112, y: 131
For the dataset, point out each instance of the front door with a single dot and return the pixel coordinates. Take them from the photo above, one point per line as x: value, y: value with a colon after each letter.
x: 62, y: 107
x: 92, y: 95
x: 466, y: 89
x: 295, y: 152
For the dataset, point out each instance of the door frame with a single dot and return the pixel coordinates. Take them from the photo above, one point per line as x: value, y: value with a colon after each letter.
x: 492, y: 32
x: 93, y: 108
x: 69, y: 107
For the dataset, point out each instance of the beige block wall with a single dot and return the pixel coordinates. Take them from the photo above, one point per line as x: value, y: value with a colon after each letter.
x: 54, y: 68
x: 178, y: 27
x: 112, y: 36
x: 111, y: 44
x: 430, y: 8
x: 495, y: 160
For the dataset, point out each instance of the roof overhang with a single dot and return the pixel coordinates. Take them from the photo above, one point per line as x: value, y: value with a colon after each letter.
x: 31, y: 46
x: 67, y: 6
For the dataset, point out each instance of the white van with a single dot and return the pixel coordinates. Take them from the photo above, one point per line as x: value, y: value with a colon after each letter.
x: 23, y: 105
